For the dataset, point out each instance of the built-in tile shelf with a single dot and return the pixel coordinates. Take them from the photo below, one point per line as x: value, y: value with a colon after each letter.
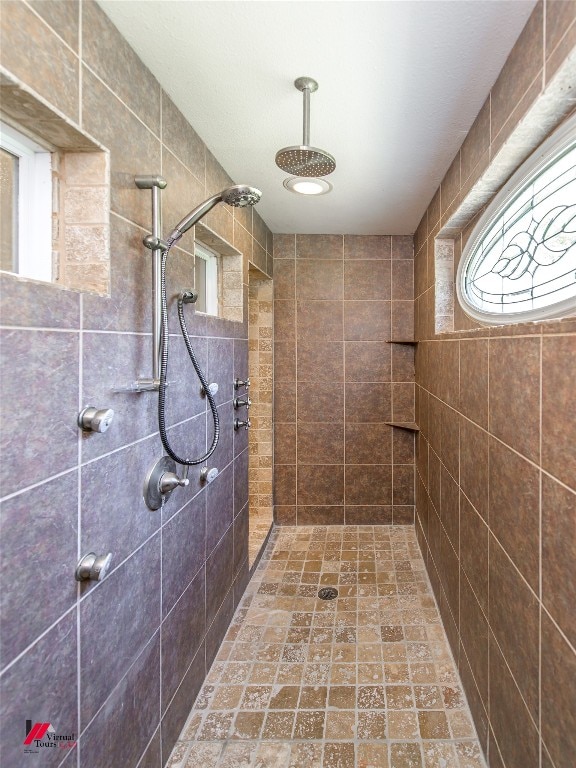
x: 411, y: 426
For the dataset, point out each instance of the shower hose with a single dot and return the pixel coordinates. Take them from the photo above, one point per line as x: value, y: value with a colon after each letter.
x: 182, y: 299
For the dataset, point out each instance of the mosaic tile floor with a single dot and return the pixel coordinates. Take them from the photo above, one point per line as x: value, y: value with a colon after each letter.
x: 363, y: 681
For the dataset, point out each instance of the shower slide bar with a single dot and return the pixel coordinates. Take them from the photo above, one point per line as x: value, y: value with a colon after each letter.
x: 154, y: 242
x: 237, y: 196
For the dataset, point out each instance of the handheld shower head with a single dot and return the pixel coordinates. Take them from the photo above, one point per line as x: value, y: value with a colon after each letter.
x: 238, y: 196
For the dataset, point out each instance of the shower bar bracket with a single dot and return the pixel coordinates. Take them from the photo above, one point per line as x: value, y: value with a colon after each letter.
x: 154, y: 243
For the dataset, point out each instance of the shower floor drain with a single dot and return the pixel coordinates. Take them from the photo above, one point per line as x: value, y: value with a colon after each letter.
x: 327, y: 593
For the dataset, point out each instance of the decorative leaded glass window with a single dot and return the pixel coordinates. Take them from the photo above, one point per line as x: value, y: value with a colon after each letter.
x: 520, y: 261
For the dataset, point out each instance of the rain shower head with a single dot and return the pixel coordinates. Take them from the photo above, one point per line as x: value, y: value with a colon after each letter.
x: 238, y: 196
x: 304, y: 160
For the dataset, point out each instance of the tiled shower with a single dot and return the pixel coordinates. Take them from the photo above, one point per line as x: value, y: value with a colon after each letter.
x: 483, y: 476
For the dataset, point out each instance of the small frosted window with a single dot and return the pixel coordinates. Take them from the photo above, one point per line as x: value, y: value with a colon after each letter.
x: 8, y: 211
x: 25, y: 205
x: 206, y: 279
x: 520, y: 261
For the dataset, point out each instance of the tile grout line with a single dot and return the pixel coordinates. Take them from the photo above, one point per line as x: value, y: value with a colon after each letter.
x: 79, y: 531
x: 162, y: 523
x: 540, y: 547
x: 391, y: 370
x: 544, y: 54
x: 343, y: 293
x: 296, y: 398
x: 80, y: 66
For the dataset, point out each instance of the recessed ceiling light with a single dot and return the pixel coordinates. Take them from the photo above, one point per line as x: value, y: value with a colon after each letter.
x: 307, y: 186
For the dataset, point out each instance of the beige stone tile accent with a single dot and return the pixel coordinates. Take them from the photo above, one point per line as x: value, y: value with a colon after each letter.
x: 373, y: 755
x: 371, y: 725
x: 340, y: 725
x: 370, y: 673
x: 469, y: 754
x: 403, y: 724
x: 309, y: 725
x: 406, y: 755
x: 206, y: 755
x: 306, y: 756
x: 216, y: 726
x: 433, y: 725
x: 434, y: 753
x: 279, y: 725
x: 460, y: 724
x: 226, y: 697
x: 338, y: 754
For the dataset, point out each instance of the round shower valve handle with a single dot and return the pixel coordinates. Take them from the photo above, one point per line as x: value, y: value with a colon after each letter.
x: 170, y: 480
x: 161, y: 480
x: 95, y: 420
x: 241, y: 383
x: 212, y: 388
x: 208, y: 475
x: 93, y: 567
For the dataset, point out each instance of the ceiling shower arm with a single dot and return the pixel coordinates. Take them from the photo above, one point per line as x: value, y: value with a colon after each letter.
x: 307, y: 85
x: 306, y: 120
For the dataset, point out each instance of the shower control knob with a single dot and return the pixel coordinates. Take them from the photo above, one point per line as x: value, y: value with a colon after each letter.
x: 161, y: 480
x: 239, y: 424
x: 170, y: 480
x: 212, y: 388
x: 208, y: 475
x: 239, y: 403
x: 93, y: 567
x: 93, y: 420
x: 240, y: 383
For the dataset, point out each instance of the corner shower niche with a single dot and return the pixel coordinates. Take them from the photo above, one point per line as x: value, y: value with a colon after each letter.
x: 260, y: 439
x: 410, y: 426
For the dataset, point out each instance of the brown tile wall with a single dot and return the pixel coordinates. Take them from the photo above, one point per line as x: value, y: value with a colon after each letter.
x: 496, y: 480
x: 138, y: 644
x: 337, y: 300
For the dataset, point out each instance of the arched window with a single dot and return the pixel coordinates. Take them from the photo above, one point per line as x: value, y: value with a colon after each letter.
x: 520, y: 261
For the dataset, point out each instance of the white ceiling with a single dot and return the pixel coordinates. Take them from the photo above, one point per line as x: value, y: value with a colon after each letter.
x: 400, y: 83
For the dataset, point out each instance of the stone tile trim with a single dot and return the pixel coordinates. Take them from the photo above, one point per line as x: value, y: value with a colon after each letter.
x: 260, y: 436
